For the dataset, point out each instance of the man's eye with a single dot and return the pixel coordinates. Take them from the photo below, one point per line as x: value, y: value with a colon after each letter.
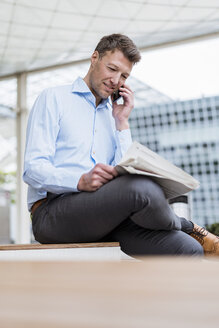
x: 112, y: 69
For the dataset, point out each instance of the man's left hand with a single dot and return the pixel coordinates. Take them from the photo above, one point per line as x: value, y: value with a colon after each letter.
x: 121, y: 112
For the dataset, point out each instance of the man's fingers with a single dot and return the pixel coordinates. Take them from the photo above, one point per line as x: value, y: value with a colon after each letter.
x: 99, y: 173
x: 97, y: 178
x: 96, y: 185
x: 115, y: 172
x: 126, y: 93
x: 125, y: 86
x: 106, y: 171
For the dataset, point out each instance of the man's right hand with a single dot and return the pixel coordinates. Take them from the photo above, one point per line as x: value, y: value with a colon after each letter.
x: 97, y: 177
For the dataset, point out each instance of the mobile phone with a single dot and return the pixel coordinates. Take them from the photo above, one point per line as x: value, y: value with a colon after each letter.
x: 116, y: 96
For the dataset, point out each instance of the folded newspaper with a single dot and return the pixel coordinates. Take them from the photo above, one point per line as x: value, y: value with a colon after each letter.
x: 141, y: 160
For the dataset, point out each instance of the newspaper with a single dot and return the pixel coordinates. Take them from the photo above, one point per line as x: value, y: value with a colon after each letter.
x: 141, y: 160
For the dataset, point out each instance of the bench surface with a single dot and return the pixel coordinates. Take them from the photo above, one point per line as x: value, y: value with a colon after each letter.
x: 151, y: 293
x: 107, y: 251
x: 55, y: 246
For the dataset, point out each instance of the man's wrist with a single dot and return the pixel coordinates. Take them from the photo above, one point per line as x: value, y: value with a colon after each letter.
x: 122, y: 126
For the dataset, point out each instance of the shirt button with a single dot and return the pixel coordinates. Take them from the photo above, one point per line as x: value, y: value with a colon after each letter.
x: 95, y: 130
x: 93, y: 152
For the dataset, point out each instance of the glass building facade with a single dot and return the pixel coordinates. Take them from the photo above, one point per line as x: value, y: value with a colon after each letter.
x: 187, y: 134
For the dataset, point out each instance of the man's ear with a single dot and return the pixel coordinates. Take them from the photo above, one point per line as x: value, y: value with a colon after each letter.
x: 94, y: 58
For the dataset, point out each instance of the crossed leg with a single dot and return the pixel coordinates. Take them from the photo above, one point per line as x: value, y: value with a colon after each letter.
x: 131, y: 209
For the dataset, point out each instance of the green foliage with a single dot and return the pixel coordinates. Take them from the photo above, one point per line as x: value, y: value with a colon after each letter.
x: 7, y: 177
x: 213, y: 228
x: 5, y: 180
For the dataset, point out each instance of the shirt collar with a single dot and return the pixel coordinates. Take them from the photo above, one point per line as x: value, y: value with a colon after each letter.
x: 79, y: 86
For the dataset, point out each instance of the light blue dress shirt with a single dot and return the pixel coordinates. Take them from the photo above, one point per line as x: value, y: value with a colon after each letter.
x: 67, y: 135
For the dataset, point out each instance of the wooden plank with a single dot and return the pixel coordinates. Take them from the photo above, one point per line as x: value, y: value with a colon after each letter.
x: 157, y: 292
x: 55, y: 246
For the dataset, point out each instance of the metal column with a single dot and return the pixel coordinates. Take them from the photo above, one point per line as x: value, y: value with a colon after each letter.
x: 23, y: 217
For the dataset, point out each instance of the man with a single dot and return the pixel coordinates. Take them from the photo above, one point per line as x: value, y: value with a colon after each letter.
x: 74, y: 140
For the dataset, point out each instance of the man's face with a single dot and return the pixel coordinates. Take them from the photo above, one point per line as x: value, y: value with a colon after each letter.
x: 108, y: 73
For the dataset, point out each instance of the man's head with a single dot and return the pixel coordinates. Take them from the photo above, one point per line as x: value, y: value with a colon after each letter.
x: 111, y: 64
x: 119, y: 42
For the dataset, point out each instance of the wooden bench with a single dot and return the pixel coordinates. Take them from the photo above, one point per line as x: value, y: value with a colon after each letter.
x: 152, y: 293
x: 52, y: 252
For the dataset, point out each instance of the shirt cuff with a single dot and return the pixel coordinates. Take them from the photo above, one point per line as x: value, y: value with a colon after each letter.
x: 123, y: 140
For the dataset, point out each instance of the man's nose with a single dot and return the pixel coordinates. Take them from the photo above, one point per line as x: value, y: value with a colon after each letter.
x: 115, y: 80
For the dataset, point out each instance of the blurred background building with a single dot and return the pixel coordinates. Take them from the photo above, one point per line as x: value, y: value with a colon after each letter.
x: 187, y: 134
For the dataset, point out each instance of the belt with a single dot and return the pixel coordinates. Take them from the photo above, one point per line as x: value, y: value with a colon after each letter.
x: 37, y: 204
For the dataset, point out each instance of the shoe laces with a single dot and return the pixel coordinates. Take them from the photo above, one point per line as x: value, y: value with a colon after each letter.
x: 199, y: 233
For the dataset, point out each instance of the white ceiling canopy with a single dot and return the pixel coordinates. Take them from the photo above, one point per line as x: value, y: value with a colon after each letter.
x: 36, y: 34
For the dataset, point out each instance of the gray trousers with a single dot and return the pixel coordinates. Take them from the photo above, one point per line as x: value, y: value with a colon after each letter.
x: 130, y: 209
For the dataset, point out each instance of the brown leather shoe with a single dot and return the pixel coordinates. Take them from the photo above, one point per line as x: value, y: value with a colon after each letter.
x: 209, y: 242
